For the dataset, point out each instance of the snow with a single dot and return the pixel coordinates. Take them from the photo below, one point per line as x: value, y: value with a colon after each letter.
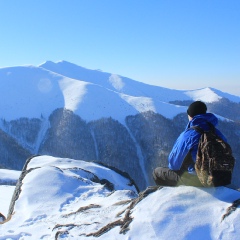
x: 187, y: 213
x: 73, y: 92
x: 8, y: 180
x: 9, y: 177
x: 55, y: 189
x: 60, y: 199
x: 35, y: 92
x: 6, y: 193
x: 44, y: 127
x: 116, y: 82
x: 230, y: 97
x: 205, y: 95
x: 22, y: 92
x: 140, y: 156
x: 141, y: 104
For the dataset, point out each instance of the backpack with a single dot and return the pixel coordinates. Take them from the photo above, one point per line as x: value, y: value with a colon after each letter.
x: 214, y: 162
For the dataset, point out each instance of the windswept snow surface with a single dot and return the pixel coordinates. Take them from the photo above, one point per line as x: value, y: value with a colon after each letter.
x: 60, y: 199
x: 35, y: 92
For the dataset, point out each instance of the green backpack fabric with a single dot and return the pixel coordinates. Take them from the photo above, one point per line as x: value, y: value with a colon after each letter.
x: 214, y: 162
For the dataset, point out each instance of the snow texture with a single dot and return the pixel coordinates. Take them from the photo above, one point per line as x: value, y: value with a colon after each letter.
x: 6, y: 193
x: 61, y: 199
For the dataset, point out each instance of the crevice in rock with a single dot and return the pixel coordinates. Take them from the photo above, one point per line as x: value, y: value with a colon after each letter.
x: 127, y: 219
x: 82, y: 209
x: 231, y: 209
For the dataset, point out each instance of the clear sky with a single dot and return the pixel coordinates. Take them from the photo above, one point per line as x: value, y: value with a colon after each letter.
x: 179, y: 44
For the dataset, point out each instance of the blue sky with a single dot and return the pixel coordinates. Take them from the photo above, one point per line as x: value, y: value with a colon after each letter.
x: 180, y: 44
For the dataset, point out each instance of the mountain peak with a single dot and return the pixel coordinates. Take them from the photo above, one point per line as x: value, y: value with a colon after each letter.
x: 59, y: 64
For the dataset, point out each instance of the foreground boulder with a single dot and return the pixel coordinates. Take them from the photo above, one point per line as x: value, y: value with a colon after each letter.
x: 58, y: 198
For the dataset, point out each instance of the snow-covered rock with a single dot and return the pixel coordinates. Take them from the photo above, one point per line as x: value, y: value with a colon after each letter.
x: 59, y: 198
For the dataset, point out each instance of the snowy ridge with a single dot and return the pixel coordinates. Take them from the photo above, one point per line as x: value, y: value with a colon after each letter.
x: 32, y: 92
x: 66, y: 199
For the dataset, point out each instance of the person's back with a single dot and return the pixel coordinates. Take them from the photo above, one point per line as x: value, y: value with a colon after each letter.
x: 182, y: 158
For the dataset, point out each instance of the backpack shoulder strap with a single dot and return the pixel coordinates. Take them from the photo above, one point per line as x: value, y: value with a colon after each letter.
x: 201, y: 131
x: 211, y: 127
x: 198, y: 129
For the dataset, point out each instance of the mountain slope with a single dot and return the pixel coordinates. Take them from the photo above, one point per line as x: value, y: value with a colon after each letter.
x: 64, y: 110
x: 33, y: 92
x: 66, y: 199
x: 29, y: 92
x: 132, y: 87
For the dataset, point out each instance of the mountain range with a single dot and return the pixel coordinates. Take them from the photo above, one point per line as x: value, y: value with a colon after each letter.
x: 64, y: 110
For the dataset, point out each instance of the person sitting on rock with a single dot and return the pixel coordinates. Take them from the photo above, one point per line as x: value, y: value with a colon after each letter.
x: 181, y: 159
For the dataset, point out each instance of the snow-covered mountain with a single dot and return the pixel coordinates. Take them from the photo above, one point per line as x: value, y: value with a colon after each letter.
x: 32, y: 92
x: 59, y: 198
x: 64, y: 110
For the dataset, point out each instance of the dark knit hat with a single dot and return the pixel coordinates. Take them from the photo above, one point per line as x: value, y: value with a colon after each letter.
x: 196, y: 108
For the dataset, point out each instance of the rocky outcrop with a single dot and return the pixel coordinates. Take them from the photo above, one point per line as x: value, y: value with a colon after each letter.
x: 73, y: 199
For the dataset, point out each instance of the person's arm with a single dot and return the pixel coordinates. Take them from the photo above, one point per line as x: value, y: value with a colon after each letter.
x: 179, y: 151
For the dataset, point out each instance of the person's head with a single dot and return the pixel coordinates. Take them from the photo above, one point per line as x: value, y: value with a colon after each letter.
x: 196, y: 108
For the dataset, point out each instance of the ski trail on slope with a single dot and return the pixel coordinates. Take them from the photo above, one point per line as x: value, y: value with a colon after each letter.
x: 95, y: 143
x: 140, y: 156
x: 41, y: 134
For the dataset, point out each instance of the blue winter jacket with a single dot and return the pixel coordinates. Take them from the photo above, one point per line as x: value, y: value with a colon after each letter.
x: 189, y: 139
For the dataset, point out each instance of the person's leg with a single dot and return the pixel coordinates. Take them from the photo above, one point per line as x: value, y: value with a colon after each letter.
x: 185, y: 178
x: 190, y: 180
x: 165, y: 177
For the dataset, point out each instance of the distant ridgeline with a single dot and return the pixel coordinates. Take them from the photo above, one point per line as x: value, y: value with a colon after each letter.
x: 222, y: 107
x: 136, y: 148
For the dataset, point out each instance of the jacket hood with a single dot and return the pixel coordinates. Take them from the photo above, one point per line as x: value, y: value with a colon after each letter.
x: 201, y: 121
